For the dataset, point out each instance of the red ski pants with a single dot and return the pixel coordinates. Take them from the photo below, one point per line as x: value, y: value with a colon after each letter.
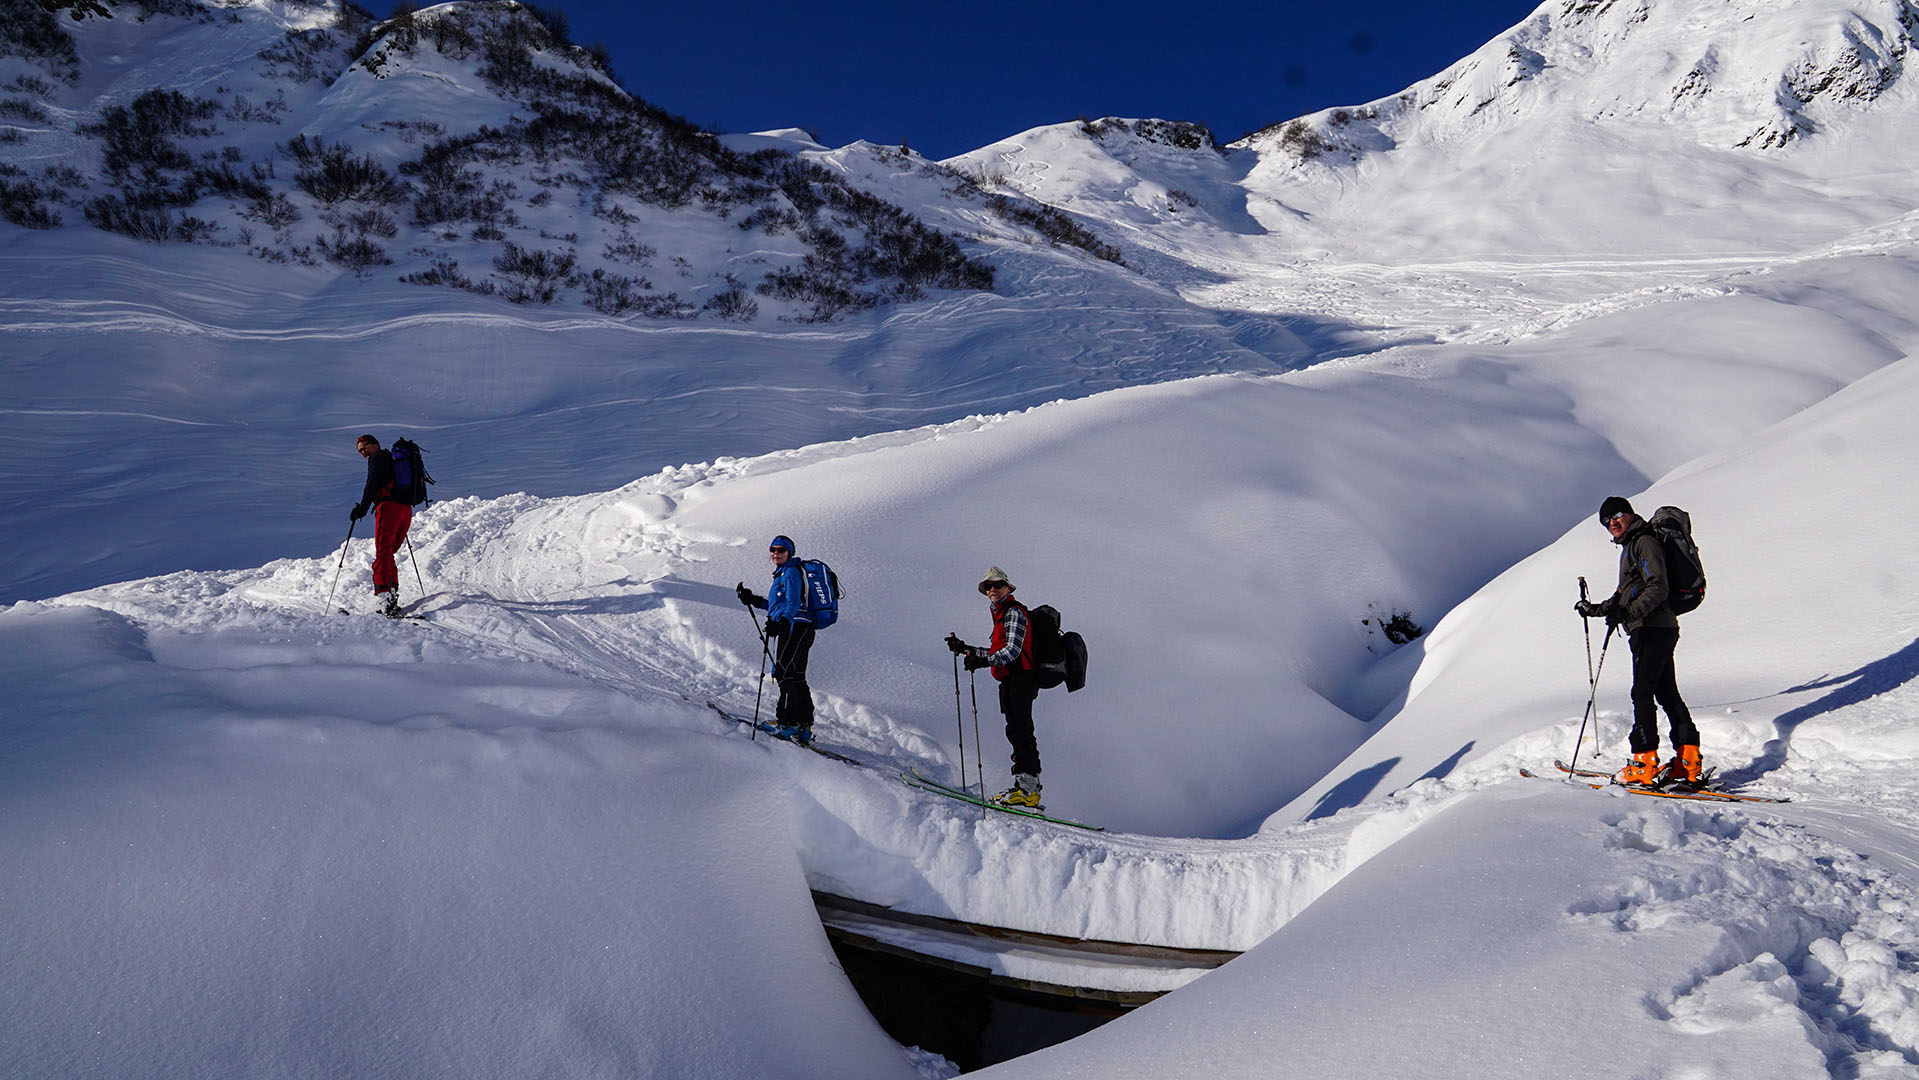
x: 390, y: 523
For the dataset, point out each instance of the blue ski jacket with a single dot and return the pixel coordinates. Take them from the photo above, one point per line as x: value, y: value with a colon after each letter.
x: 787, y: 598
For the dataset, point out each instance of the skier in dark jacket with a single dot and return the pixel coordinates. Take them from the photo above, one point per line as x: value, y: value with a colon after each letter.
x: 789, y: 632
x: 1640, y: 605
x: 1011, y: 658
x: 391, y: 519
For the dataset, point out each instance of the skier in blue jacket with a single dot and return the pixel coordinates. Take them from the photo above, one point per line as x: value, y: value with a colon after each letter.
x: 789, y: 632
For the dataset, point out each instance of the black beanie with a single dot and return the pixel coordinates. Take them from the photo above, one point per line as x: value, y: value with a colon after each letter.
x: 1613, y: 505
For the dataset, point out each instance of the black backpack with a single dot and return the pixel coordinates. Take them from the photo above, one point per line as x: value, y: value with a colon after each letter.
x: 1685, y: 575
x: 409, y: 473
x: 1058, y: 657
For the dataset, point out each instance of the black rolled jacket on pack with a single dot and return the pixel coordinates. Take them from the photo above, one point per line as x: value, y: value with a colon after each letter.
x: 1644, y: 585
x: 379, y: 480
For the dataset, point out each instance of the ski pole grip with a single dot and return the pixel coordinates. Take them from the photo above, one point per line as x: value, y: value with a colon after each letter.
x: 1582, y: 588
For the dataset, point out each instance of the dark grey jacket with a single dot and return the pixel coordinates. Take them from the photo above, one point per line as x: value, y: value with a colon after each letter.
x: 1643, y: 584
x: 379, y: 480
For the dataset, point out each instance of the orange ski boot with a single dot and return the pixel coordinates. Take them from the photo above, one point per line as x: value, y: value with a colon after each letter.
x: 1644, y: 769
x: 1683, y: 768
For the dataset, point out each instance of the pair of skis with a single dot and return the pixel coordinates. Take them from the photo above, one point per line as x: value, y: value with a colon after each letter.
x: 1697, y: 794
x: 405, y: 613
x: 408, y: 610
x: 773, y: 730
x: 911, y: 777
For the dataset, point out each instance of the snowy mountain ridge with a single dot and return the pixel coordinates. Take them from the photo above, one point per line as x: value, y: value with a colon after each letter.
x: 1734, y: 126
x: 1740, y: 74
x: 466, y: 133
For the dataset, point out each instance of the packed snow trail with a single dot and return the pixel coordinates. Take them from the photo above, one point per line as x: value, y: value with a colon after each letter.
x: 619, y: 667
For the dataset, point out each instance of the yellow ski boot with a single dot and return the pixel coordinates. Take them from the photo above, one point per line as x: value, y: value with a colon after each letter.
x: 1024, y: 793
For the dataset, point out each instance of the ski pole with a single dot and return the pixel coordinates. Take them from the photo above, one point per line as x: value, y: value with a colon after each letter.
x: 1585, y: 627
x: 1604, y: 642
x: 761, y: 692
x: 959, y: 720
x: 972, y: 678
x: 351, y: 522
x: 415, y: 560
x: 1588, y: 628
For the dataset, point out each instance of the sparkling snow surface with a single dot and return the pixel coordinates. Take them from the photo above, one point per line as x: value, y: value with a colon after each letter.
x: 246, y: 836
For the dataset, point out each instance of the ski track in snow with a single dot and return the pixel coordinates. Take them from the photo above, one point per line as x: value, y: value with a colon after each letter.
x: 1472, y: 301
x: 620, y: 641
x: 1816, y: 937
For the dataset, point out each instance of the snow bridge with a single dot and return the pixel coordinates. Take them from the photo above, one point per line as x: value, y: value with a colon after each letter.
x: 982, y: 994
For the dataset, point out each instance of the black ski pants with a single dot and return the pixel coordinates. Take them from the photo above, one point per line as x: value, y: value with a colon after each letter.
x: 1654, y: 683
x: 789, y: 671
x: 1016, y: 697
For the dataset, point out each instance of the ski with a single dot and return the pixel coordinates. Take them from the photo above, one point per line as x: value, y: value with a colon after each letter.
x: 769, y: 730
x: 1594, y: 773
x: 1703, y: 789
x: 1657, y: 793
x: 382, y: 614
x: 1705, y: 778
x: 913, y: 779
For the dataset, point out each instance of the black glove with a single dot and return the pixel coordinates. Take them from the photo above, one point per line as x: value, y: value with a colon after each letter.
x: 776, y: 628
x: 358, y: 512
x: 974, y: 661
x: 954, y: 643
x: 1590, y: 609
x: 1614, y: 616
x: 747, y: 596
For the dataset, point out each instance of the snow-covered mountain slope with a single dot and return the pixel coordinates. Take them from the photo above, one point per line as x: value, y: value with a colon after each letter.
x: 247, y: 836
x: 469, y: 133
x: 1731, y: 74
x: 1660, y: 140
x: 1218, y: 546
x: 1785, y: 517
x: 1542, y: 928
x: 243, y: 354
x: 1236, y: 580
x: 239, y: 401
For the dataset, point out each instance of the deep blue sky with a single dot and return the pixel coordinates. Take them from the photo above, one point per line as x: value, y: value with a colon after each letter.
x: 947, y: 78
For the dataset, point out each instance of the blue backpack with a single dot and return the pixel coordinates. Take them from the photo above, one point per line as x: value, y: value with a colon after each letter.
x: 822, y: 601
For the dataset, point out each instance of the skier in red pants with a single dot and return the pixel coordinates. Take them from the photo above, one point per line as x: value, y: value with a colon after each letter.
x: 391, y: 519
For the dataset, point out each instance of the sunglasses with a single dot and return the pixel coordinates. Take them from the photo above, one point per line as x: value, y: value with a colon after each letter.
x: 1608, y: 522
x: 778, y: 551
